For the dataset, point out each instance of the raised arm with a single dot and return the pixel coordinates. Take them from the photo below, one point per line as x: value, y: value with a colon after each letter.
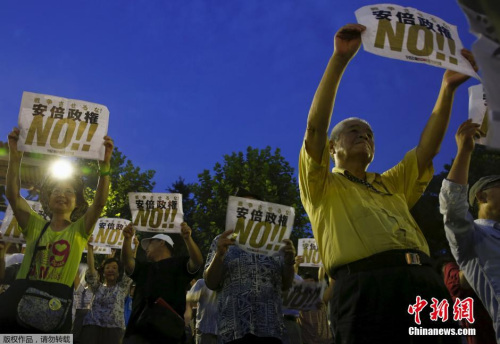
x: 18, y: 204
x: 127, y: 255
x: 195, y: 257
x: 435, y: 129
x: 459, y: 172
x: 90, y: 257
x: 214, y: 273
x: 288, y: 272
x: 102, y: 191
x: 346, y: 43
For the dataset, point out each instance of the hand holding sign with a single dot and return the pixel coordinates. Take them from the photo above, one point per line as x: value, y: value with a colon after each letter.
x: 129, y: 231
x: 289, y: 252
x: 348, y: 40
x: 453, y: 78
x: 104, y: 165
x: 13, y: 139
x: 465, y: 136
x: 185, y: 231
x: 225, y: 240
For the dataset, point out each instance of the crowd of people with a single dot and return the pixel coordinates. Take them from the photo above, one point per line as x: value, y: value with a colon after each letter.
x: 376, y: 260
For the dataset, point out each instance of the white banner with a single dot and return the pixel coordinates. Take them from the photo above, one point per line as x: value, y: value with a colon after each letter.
x: 9, y: 229
x: 60, y: 126
x: 308, y: 249
x: 303, y: 295
x: 156, y: 212
x: 478, y: 109
x: 260, y: 226
x: 405, y: 33
x: 108, y: 232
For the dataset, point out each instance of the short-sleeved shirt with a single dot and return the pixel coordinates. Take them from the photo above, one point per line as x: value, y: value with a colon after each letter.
x: 206, y: 315
x: 167, y: 278
x: 109, y: 302
x: 349, y: 220
x: 60, y: 258
x: 249, y: 300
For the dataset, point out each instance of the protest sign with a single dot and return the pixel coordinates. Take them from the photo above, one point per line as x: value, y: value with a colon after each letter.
x: 60, y: 126
x: 260, y: 227
x: 308, y: 249
x: 478, y: 109
x: 10, y: 230
x: 405, y: 33
x: 108, y: 232
x: 156, y: 212
x: 303, y: 295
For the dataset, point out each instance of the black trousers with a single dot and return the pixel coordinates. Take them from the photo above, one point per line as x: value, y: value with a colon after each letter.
x: 372, y: 306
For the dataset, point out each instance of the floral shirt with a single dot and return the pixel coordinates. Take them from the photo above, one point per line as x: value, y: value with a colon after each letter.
x: 249, y: 298
x: 109, y: 302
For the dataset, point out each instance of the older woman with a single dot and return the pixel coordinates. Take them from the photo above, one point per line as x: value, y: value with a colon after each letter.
x: 53, y: 248
x: 105, y: 323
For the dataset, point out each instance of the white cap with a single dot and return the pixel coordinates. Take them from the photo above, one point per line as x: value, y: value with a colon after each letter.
x: 164, y: 237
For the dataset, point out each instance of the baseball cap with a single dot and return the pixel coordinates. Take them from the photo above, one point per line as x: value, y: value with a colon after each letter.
x: 480, y: 185
x: 164, y: 237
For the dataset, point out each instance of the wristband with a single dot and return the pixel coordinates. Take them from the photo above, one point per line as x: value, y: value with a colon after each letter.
x: 106, y: 173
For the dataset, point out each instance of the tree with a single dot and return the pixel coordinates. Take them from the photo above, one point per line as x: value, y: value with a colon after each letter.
x: 125, y: 178
x: 261, y: 172
x: 186, y: 190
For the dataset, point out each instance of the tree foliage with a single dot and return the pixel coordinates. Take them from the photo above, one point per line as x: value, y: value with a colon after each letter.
x: 261, y: 172
x: 125, y: 178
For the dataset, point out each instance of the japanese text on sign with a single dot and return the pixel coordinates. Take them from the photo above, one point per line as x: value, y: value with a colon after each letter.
x: 54, y: 125
x: 408, y: 34
x: 108, y: 232
x: 308, y: 249
x: 156, y: 212
x: 260, y: 226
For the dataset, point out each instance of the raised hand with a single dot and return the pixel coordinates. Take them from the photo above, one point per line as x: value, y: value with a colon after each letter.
x: 348, y: 40
x: 466, y: 134
x: 13, y: 139
x: 225, y: 240
x: 454, y: 79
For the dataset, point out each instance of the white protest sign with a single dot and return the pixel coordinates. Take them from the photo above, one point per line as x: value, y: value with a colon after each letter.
x: 60, y: 126
x: 9, y: 229
x: 156, y: 212
x: 100, y: 250
x: 478, y: 109
x: 108, y: 232
x: 308, y: 249
x: 260, y: 226
x: 405, y: 33
x: 303, y: 295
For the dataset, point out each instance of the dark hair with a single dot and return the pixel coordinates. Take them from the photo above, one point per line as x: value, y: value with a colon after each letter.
x: 109, y: 261
x: 50, y: 183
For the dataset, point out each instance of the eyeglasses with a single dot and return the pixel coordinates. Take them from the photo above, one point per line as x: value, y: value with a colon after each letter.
x: 65, y: 192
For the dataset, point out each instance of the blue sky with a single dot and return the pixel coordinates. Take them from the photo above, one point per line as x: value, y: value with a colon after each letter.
x: 189, y: 81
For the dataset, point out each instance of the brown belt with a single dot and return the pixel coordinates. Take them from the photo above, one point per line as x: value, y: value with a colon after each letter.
x: 387, y: 259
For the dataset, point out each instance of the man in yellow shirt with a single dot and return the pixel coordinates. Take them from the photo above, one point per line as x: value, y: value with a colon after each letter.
x: 369, y: 242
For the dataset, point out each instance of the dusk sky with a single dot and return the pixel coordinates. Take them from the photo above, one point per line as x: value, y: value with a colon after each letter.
x: 189, y: 81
